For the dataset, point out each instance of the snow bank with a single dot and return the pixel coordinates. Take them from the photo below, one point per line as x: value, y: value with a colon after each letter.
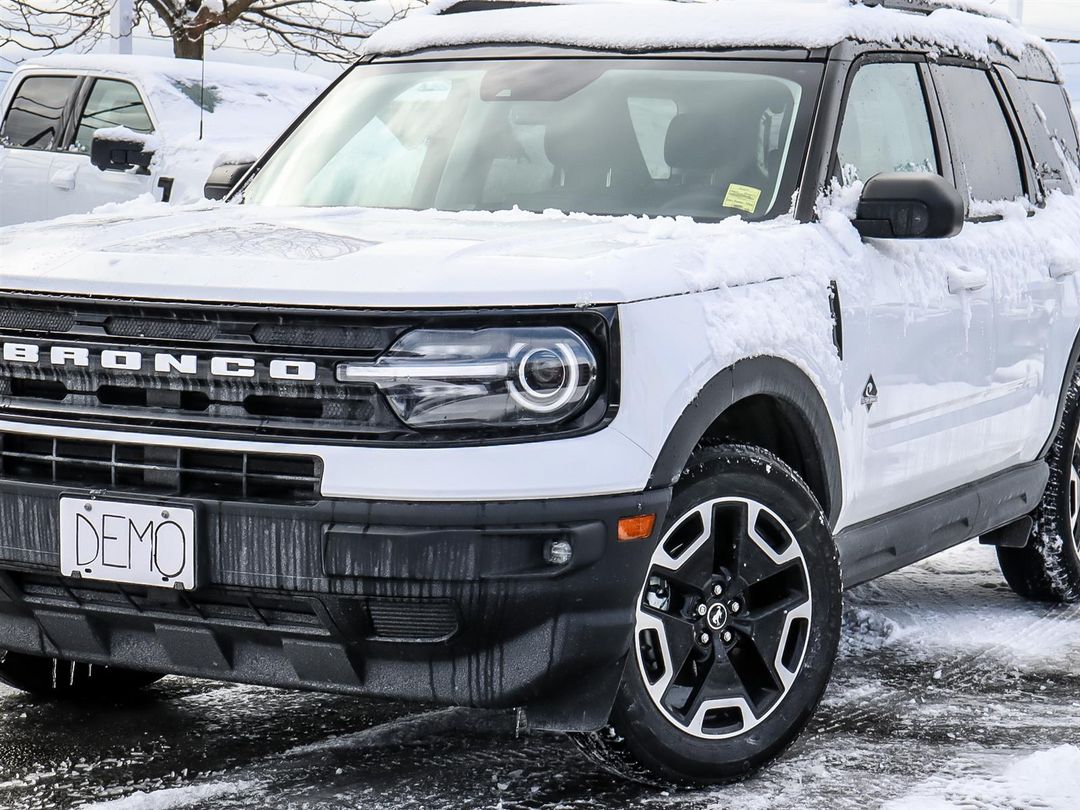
x: 172, y: 798
x: 646, y: 25
x: 1048, y: 780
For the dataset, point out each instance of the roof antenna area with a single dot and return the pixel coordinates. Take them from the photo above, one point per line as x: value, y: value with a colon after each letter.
x: 202, y: 93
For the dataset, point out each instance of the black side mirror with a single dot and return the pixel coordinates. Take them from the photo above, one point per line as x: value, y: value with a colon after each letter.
x: 909, y: 206
x: 224, y: 178
x: 119, y: 155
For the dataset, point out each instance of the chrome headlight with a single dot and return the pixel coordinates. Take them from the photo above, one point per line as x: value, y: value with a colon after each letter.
x: 499, y: 377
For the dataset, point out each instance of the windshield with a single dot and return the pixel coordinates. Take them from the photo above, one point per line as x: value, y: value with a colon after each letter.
x: 701, y: 138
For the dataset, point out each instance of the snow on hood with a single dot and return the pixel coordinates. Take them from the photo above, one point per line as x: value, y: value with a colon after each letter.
x: 644, y: 25
x: 366, y: 257
x: 410, y: 259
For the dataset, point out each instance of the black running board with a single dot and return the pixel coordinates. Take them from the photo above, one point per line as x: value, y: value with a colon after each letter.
x: 893, y: 541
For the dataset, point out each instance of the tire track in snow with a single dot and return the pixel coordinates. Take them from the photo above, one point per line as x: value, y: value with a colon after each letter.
x: 959, y: 674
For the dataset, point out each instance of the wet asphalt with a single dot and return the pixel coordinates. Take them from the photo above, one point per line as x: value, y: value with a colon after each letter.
x: 946, y: 681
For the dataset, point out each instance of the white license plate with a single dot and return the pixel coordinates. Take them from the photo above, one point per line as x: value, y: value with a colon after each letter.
x: 131, y: 543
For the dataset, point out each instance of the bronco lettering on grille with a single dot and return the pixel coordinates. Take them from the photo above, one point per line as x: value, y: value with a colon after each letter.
x: 162, y: 362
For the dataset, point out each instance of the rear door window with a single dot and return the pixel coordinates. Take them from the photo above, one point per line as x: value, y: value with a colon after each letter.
x: 1049, y: 151
x: 886, y: 125
x: 984, y: 149
x: 35, y: 118
x: 1052, y: 105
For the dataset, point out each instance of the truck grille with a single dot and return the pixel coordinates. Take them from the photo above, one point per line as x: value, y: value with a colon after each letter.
x: 165, y: 471
x: 150, y: 366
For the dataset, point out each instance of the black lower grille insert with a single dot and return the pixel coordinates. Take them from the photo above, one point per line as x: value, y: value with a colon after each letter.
x: 167, y: 471
x: 412, y: 620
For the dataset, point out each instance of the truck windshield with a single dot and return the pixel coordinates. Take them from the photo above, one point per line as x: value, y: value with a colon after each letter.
x: 707, y: 139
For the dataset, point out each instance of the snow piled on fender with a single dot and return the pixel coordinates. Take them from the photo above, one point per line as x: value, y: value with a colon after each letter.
x: 645, y: 25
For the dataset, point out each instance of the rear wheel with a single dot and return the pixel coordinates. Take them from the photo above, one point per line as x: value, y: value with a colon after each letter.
x: 1048, y: 568
x: 54, y: 678
x: 737, y: 626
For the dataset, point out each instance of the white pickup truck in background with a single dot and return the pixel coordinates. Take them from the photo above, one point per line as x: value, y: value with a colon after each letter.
x: 78, y: 132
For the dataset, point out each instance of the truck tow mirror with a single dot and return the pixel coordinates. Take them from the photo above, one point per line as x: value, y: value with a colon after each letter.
x: 112, y: 155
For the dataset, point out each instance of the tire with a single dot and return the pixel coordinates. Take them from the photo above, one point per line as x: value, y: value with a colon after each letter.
x: 66, y: 680
x: 1048, y: 568
x: 758, y: 652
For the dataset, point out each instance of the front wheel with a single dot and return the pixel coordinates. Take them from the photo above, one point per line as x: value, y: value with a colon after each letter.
x: 67, y: 680
x: 737, y: 626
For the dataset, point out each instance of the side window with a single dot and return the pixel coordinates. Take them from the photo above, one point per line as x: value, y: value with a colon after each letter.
x: 37, y: 111
x: 111, y: 104
x: 983, y: 147
x: 1052, y: 106
x: 1049, y: 150
x: 886, y: 126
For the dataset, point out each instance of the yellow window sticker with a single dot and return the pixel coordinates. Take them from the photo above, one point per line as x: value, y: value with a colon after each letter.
x: 743, y: 198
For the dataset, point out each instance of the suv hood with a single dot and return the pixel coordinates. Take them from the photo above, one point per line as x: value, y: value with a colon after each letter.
x: 360, y: 257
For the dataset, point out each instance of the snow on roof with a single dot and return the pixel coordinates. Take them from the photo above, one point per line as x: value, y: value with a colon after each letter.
x: 651, y: 25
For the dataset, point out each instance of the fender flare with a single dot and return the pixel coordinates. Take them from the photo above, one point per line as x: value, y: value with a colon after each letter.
x: 759, y: 376
x: 1063, y: 396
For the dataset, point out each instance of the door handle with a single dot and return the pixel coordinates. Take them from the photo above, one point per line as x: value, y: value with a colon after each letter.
x: 1064, y: 267
x: 63, y: 179
x: 966, y: 279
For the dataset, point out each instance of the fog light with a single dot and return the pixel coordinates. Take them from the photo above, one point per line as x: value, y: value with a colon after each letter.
x: 558, y: 552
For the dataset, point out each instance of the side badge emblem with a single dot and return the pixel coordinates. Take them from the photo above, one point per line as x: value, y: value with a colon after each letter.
x: 870, y: 394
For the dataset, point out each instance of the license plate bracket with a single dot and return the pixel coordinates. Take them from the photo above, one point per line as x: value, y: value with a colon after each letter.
x: 129, y: 542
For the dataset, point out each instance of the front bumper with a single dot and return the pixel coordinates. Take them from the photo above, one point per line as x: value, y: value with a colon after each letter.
x: 449, y: 603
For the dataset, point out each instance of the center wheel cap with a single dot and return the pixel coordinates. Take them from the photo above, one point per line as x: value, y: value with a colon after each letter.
x: 717, y: 616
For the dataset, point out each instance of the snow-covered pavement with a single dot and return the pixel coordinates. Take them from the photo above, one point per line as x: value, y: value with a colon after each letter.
x: 950, y: 694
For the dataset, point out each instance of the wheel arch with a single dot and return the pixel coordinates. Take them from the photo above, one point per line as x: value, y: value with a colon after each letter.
x: 1063, y: 396
x: 768, y: 402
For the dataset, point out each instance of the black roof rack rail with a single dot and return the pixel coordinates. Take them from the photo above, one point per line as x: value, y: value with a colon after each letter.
x: 913, y: 6
x: 467, y: 6
x: 930, y: 6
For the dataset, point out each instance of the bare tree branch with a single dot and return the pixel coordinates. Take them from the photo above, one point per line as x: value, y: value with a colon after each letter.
x: 331, y: 30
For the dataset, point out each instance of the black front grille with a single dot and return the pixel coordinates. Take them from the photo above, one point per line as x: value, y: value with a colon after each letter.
x: 167, y: 471
x: 188, y: 395
x: 229, y: 371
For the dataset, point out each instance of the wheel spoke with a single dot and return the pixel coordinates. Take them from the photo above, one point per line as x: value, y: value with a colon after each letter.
x: 686, y: 553
x: 720, y: 682
x: 695, y: 570
x: 763, y: 545
x: 677, y: 638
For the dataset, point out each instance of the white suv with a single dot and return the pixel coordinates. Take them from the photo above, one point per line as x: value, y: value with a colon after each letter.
x: 392, y: 423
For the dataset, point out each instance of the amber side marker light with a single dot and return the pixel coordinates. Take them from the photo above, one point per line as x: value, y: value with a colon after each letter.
x: 636, y: 528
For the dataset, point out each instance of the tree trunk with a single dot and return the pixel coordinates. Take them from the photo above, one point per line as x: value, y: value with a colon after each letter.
x: 187, y: 45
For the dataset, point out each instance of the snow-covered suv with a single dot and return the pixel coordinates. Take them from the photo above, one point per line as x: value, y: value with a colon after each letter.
x: 569, y: 358
x: 80, y: 131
